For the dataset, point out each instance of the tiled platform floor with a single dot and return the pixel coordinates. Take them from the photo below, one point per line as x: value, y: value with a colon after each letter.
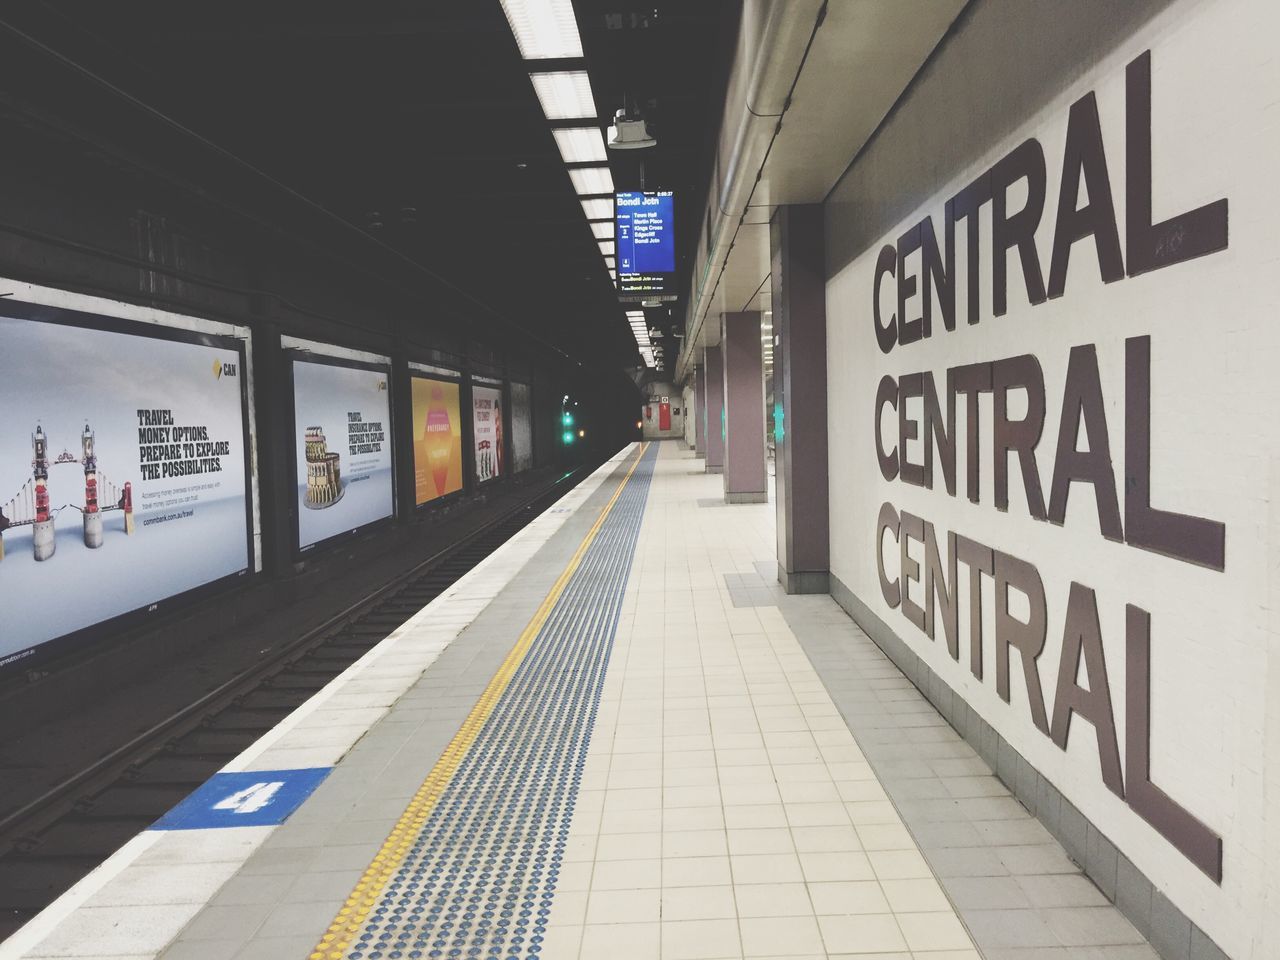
x: 761, y: 782
x: 738, y: 802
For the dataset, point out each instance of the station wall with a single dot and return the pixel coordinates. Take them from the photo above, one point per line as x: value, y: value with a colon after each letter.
x: 1052, y: 343
x: 134, y: 438
x: 651, y: 412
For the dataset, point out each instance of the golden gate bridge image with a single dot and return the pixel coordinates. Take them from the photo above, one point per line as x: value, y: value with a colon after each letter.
x: 31, y: 507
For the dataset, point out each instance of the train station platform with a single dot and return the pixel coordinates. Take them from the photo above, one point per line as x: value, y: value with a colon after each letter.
x: 615, y: 739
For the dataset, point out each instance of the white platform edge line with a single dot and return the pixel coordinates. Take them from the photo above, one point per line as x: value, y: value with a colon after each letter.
x: 47, y: 920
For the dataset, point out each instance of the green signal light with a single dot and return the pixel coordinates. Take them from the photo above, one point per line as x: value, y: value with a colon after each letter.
x: 778, y: 430
x: 568, y: 419
x: 568, y: 436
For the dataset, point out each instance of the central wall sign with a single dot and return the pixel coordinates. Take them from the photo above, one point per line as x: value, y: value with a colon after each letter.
x: 924, y: 291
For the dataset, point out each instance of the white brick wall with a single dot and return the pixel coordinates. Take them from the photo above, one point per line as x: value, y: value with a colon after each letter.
x: 1215, y: 442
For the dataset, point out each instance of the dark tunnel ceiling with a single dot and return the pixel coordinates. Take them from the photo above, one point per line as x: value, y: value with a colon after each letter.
x: 385, y: 105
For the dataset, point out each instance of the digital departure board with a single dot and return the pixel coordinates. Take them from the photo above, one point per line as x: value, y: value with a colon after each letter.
x: 644, y: 230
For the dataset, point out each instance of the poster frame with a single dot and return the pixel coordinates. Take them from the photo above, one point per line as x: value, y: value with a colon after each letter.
x: 95, y: 633
x: 452, y: 377
x: 491, y: 383
x: 295, y: 354
x: 511, y: 427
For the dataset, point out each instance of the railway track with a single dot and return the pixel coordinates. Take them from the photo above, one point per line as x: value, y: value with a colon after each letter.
x: 51, y: 843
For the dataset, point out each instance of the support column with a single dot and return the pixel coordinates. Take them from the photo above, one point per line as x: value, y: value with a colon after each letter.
x: 746, y: 478
x: 800, y: 398
x: 699, y: 409
x: 713, y: 407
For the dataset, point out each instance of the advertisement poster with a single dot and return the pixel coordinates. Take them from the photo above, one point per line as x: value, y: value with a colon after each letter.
x: 486, y: 417
x: 342, y: 423
x: 437, y: 439
x: 122, y: 470
x: 521, y: 427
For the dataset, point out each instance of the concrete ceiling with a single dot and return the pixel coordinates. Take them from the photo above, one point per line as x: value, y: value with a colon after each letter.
x: 860, y: 59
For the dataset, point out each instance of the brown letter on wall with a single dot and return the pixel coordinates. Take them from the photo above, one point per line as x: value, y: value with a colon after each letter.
x: 1084, y: 154
x: 909, y: 385
x: 1019, y: 229
x: 965, y: 206
x: 1082, y: 633
x: 1028, y: 637
x: 1082, y: 397
x: 1018, y: 435
x: 886, y: 392
x: 942, y: 432
x: 886, y: 334
x: 891, y: 590
x: 1193, y: 839
x: 936, y: 273
x: 970, y: 380
x: 1192, y: 234
x: 1193, y: 539
x: 912, y: 529
x: 940, y: 585
x: 909, y: 331
x: 979, y: 558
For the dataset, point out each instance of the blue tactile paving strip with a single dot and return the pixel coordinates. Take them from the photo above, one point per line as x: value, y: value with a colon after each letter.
x: 480, y: 879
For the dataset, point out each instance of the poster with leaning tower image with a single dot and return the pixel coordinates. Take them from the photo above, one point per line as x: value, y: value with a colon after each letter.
x: 342, y: 426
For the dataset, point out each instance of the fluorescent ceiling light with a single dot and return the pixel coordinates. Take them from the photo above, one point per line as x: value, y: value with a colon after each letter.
x: 609, y: 262
x: 544, y: 29
x: 602, y: 230
x: 606, y: 247
x: 588, y: 180
x: 580, y: 144
x: 598, y: 209
x: 564, y: 95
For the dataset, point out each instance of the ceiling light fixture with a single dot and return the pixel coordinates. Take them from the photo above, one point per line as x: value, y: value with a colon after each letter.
x: 602, y: 230
x: 591, y: 180
x: 629, y: 132
x: 580, y: 144
x: 600, y: 208
x: 564, y: 94
x: 544, y: 29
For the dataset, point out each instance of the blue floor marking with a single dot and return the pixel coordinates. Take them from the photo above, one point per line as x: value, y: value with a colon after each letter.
x: 480, y: 879
x: 261, y: 798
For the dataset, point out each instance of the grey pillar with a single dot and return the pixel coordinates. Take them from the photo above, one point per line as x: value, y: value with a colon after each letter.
x: 746, y: 478
x: 800, y: 390
x: 713, y: 412
x: 699, y: 412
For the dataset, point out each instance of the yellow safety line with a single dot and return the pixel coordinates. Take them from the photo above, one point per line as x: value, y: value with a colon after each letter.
x: 333, y: 945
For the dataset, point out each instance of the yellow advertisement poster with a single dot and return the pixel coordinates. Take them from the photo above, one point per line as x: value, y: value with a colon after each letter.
x: 437, y: 439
